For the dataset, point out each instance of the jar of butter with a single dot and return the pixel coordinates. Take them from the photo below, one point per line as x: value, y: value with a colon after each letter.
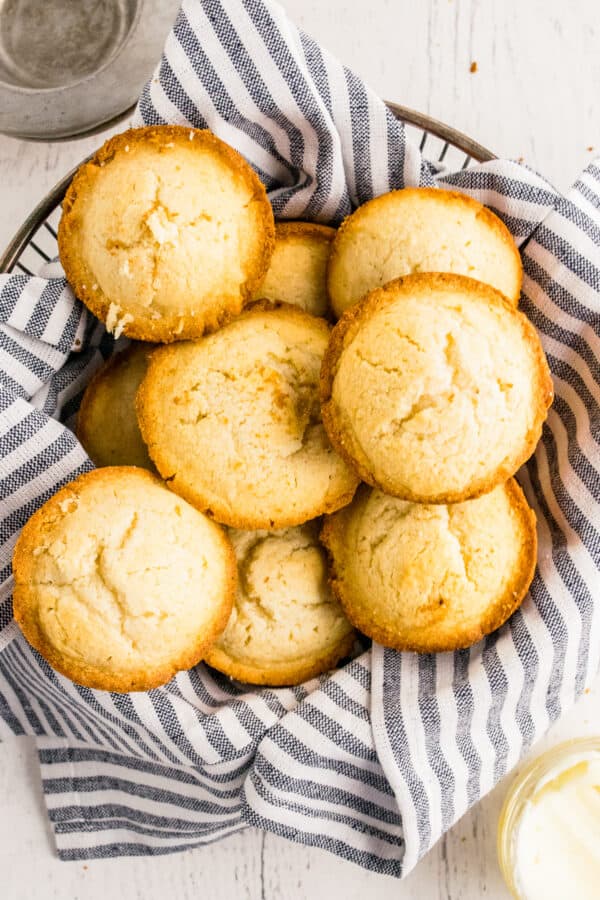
x: 549, y: 827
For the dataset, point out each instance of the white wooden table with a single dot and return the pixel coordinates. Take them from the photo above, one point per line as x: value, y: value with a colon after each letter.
x: 535, y: 94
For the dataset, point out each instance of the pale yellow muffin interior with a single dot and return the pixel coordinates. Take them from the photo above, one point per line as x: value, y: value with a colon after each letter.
x: 119, y: 583
x: 107, y: 424
x: 286, y: 624
x: 432, y: 578
x: 421, y: 230
x: 439, y: 391
x: 234, y: 422
x: 297, y: 272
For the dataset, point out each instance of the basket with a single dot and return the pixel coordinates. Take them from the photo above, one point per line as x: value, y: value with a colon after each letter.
x: 35, y: 242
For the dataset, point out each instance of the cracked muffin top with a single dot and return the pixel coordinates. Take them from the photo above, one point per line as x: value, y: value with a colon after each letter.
x: 233, y: 421
x: 286, y: 625
x: 421, y: 230
x: 119, y: 583
x: 165, y: 234
x: 431, y: 578
x: 435, y: 388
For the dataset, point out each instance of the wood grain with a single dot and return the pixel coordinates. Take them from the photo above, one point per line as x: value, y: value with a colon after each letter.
x: 535, y: 95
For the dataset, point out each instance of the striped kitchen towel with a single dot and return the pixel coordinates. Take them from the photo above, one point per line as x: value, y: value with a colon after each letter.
x: 376, y: 761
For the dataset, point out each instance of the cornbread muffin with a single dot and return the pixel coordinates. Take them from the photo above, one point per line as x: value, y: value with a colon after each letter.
x: 431, y: 578
x: 421, y: 230
x: 286, y: 626
x: 298, y: 270
x: 119, y: 583
x: 107, y: 423
x: 233, y: 421
x: 165, y: 233
x: 435, y: 388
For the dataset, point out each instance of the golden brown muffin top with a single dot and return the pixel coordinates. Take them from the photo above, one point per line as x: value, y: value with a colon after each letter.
x: 286, y: 625
x: 233, y: 421
x: 297, y: 272
x: 421, y: 230
x: 119, y: 583
x: 106, y: 422
x: 165, y: 233
x: 431, y: 578
x: 435, y: 388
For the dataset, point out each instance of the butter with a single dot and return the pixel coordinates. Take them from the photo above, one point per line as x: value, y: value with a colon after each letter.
x: 556, y: 843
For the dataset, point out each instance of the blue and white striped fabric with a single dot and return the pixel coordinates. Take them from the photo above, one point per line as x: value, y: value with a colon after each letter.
x: 376, y: 761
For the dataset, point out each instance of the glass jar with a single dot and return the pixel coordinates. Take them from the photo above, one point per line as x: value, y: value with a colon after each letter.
x: 527, y: 785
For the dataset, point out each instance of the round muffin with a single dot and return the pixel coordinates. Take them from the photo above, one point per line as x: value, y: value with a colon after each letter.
x: 435, y: 388
x: 431, y: 578
x: 119, y: 583
x: 233, y: 422
x: 107, y: 423
x: 165, y: 233
x: 421, y: 230
x: 286, y: 626
x: 298, y: 270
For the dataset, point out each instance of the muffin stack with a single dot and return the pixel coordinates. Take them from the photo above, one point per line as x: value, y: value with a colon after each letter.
x: 254, y: 414
x: 435, y: 389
